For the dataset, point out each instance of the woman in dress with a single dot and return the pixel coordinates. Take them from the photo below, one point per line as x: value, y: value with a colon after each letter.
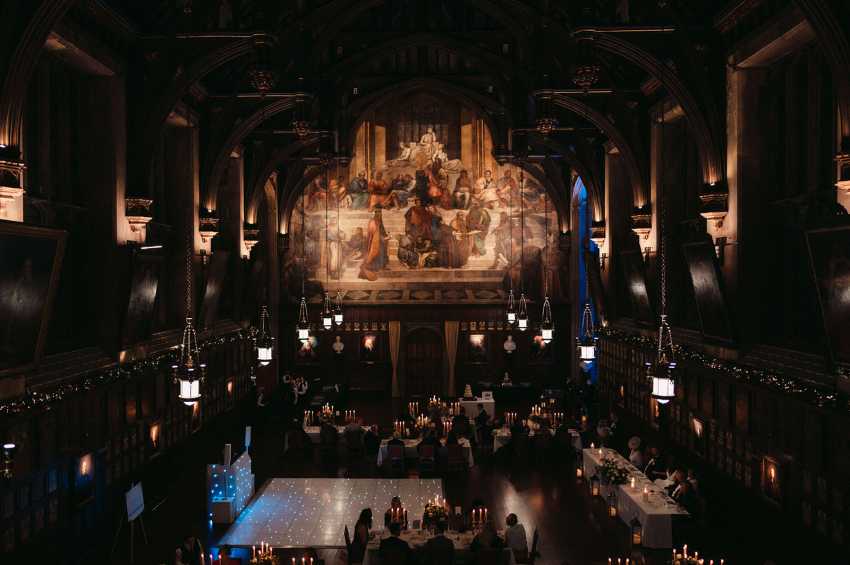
x: 361, y: 536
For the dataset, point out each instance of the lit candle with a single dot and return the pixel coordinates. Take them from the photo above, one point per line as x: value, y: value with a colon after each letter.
x: 633, y: 482
x: 293, y: 561
x: 685, y: 551
x: 253, y: 552
x: 592, y: 445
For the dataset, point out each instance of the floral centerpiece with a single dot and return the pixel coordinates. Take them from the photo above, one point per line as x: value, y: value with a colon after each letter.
x: 611, y: 472
x: 433, y: 514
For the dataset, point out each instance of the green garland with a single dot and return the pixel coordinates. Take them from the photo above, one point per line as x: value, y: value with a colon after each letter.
x: 792, y: 386
x: 33, y: 400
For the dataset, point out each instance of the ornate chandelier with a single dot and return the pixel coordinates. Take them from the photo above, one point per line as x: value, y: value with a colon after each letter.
x: 661, y: 372
x: 189, y: 372
x: 264, y: 341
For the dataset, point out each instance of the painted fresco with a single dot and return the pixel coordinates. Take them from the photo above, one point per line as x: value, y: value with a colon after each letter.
x: 422, y: 205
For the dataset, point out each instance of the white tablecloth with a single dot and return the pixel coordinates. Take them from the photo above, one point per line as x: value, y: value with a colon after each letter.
x: 410, y: 451
x: 418, y: 538
x: 502, y: 436
x: 315, y: 432
x: 655, y: 515
x: 470, y: 406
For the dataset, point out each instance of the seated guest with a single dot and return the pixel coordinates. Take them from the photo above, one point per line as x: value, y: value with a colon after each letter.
x: 394, y: 550
x: 396, y: 440
x: 452, y: 438
x: 430, y: 438
x: 460, y: 423
x: 371, y: 441
x: 685, y: 496
x: 439, y: 550
x: 653, y: 468
x: 692, y: 480
x: 635, y: 454
x: 676, y: 480
x: 395, y: 513
x: 328, y: 434
x: 487, y: 538
x: 354, y: 433
x: 515, y: 537
x: 190, y: 552
x: 357, y: 551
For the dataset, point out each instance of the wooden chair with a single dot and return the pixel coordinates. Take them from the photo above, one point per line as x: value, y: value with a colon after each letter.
x: 395, y: 454
x: 348, y: 547
x: 427, y: 459
x: 492, y: 557
x: 456, y: 462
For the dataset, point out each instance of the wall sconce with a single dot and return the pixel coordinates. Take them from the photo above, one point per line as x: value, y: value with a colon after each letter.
x: 8, y: 462
x: 154, y: 436
x: 697, y: 426
x: 85, y: 465
x: 719, y: 244
x: 230, y: 387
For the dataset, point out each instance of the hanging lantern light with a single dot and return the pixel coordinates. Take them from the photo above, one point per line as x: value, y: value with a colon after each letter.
x: 303, y: 326
x: 587, y: 340
x: 7, y: 470
x: 338, y: 317
x: 547, y: 326
x: 188, y: 372
x: 264, y: 341
x: 637, y: 532
x: 522, y: 313
x: 661, y: 372
x: 327, y: 313
x: 511, y: 311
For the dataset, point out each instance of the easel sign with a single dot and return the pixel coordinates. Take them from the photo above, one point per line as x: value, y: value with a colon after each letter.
x: 135, y: 502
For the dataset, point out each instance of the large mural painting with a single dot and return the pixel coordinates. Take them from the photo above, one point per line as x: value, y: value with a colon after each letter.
x: 423, y: 211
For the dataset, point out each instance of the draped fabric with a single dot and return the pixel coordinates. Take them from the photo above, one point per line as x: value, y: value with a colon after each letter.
x: 451, y: 330
x: 395, y: 340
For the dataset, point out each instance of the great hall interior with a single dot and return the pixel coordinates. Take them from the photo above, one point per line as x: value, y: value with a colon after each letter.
x: 425, y: 282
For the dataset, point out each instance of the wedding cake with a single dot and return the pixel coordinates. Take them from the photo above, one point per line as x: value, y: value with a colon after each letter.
x: 467, y: 391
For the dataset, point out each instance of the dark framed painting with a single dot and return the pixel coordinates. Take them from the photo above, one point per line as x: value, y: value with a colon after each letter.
x: 708, y: 290
x: 30, y: 261
x: 829, y: 260
x: 477, y: 348
x: 370, y: 351
x: 634, y: 277
x: 214, y: 287
x: 145, y: 270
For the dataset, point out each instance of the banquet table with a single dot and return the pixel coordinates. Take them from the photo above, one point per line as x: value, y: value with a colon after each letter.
x: 417, y: 540
x: 656, y: 514
x: 502, y: 437
x: 470, y: 406
x: 410, y: 451
x: 315, y: 432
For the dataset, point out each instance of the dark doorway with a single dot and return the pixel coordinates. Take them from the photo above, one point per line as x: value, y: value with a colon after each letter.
x: 423, y: 362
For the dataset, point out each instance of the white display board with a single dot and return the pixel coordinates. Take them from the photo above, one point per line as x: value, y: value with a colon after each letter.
x: 135, y: 499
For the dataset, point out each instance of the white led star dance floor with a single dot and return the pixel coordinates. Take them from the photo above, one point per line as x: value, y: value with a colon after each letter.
x: 313, y: 512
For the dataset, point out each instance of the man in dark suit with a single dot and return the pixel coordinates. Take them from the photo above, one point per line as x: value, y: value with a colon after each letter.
x: 394, y: 550
x: 460, y: 423
x: 439, y: 550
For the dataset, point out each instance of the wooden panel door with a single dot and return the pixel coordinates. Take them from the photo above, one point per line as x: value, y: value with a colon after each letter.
x: 423, y: 362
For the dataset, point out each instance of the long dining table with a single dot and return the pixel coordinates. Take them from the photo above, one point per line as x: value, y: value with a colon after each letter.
x: 411, y: 451
x: 656, y: 511
x: 417, y: 540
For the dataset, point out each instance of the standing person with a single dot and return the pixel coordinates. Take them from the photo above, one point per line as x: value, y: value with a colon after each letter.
x: 190, y: 552
x: 515, y: 537
x: 362, y: 531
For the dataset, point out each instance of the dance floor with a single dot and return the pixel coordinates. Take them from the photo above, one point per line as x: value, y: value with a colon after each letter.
x: 313, y: 512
